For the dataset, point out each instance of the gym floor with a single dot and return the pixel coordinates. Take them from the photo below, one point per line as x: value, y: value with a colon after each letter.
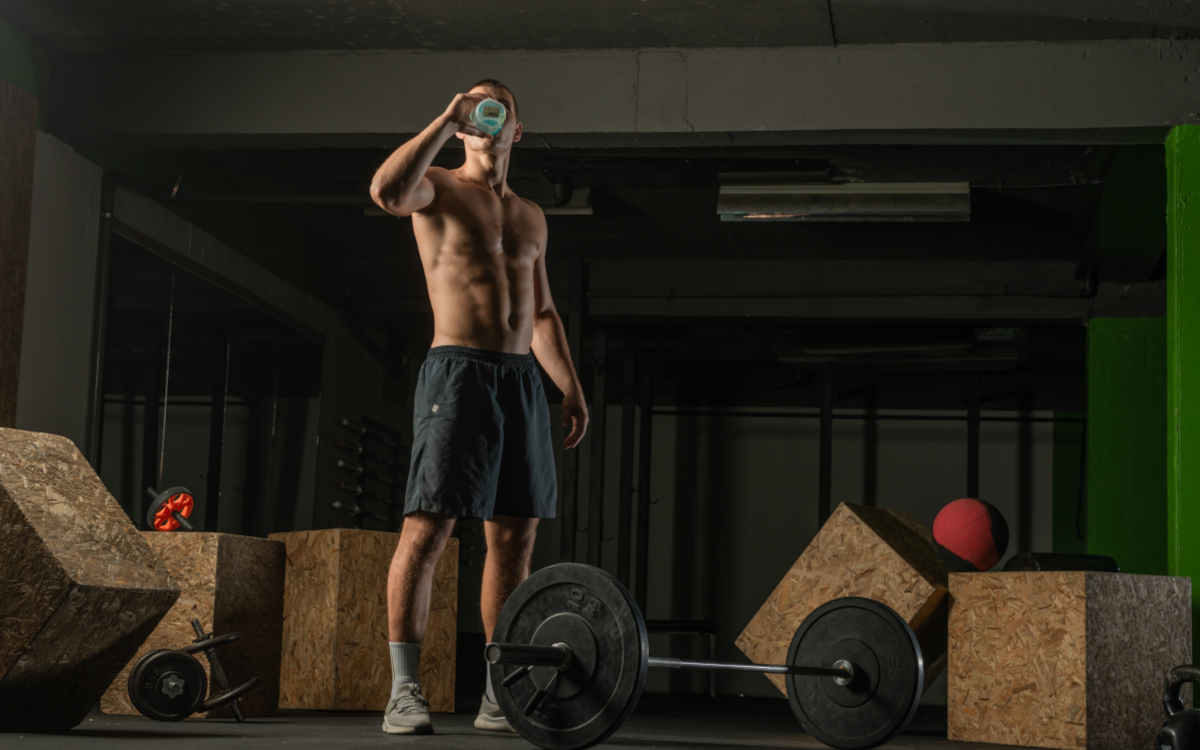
x: 667, y: 722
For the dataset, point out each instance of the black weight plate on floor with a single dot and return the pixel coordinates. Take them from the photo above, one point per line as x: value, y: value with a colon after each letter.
x: 599, y: 703
x: 889, y: 674
x: 167, y: 685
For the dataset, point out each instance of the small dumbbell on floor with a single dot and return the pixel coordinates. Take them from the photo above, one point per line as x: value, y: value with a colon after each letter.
x: 572, y: 653
x: 170, y: 685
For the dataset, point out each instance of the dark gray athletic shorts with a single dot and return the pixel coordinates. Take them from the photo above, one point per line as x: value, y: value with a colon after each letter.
x: 481, y: 437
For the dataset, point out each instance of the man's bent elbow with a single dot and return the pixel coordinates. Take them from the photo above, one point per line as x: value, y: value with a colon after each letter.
x: 383, y: 198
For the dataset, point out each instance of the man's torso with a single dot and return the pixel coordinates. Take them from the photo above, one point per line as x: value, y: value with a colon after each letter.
x: 479, y: 253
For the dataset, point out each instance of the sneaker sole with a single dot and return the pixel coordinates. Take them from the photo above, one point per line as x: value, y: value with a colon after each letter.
x: 493, y: 725
x: 427, y: 729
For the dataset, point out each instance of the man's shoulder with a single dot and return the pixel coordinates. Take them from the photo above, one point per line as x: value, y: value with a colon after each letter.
x: 437, y: 174
x: 533, y: 207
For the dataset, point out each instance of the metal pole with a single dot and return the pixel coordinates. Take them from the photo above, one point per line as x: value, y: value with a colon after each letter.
x: 95, y: 422
x: 570, y: 485
x: 825, y: 492
x: 216, y: 438
x: 625, y: 509
x: 251, y: 496
x: 150, y: 420
x: 973, y: 436
x: 758, y: 668
x: 646, y: 365
x: 870, y: 450
x: 596, y: 491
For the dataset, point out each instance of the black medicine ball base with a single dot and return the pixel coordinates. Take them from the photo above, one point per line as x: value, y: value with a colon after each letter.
x: 953, y: 561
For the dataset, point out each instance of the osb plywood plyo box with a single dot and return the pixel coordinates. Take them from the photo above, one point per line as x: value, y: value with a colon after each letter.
x: 230, y: 583
x: 81, y: 588
x: 1064, y: 659
x: 335, y: 654
x: 876, y: 554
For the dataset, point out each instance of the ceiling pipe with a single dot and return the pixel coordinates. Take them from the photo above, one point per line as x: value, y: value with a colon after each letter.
x: 276, y: 198
x: 175, y: 194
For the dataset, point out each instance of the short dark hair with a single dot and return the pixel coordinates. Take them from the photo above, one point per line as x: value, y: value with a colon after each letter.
x: 492, y: 83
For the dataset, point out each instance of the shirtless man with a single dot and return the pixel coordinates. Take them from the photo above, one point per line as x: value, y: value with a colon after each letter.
x: 481, y: 427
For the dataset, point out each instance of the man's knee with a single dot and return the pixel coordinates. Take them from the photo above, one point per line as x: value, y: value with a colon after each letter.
x: 424, y: 532
x: 512, y: 535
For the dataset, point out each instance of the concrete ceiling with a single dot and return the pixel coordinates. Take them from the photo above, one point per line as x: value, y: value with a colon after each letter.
x: 445, y: 25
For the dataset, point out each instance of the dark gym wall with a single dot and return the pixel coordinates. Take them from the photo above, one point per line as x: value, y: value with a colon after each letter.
x: 18, y: 138
x: 1127, y: 442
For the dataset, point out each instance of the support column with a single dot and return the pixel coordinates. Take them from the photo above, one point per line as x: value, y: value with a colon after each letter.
x: 1070, y: 485
x: 1126, y: 444
x: 570, y: 486
x: 825, y: 486
x: 598, y: 418
x: 973, y: 435
x: 216, y: 438
x: 625, y: 508
x: 1183, y: 353
x: 646, y: 379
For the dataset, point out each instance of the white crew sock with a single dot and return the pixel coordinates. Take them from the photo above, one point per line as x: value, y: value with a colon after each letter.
x: 406, y: 659
x: 489, y: 692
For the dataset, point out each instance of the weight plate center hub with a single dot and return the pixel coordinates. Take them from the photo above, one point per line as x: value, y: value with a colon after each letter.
x: 575, y: 632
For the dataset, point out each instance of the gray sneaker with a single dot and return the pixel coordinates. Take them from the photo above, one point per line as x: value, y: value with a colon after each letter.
x: 491, y: 718
x: 408, y: 712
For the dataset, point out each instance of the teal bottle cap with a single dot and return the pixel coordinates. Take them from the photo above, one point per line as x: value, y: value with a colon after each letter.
x: 489, y: 116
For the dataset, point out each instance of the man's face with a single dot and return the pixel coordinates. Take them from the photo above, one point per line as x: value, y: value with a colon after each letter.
x: 509, y: 133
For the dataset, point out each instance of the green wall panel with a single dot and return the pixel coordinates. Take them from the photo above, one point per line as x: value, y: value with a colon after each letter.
x: 1183, y: 352
x: 1126, y: 442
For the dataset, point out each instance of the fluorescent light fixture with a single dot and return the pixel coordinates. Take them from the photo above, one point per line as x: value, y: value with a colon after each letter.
x: 897, y: 201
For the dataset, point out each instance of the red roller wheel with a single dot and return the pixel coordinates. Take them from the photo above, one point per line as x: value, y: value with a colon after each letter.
x: 161, y: 515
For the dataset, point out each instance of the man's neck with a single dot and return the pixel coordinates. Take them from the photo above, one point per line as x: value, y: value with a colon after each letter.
x: 487, y: 169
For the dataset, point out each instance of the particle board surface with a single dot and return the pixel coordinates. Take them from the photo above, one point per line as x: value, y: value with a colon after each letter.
x: 335, y: 654
x: 18, y: 140
x: 309, y: 619
x: 230, y: 583
x: 82, y: 590
x: 1063, y: 659
x: 877, y: 554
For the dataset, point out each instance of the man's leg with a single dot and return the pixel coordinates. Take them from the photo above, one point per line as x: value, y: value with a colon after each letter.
x: 509, y: 551
x: 410, y: 585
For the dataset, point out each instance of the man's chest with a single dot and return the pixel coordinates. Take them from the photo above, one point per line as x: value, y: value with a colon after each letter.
x: 507, y: 228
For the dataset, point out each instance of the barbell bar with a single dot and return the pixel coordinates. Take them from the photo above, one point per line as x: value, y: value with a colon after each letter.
x: 559, y: 657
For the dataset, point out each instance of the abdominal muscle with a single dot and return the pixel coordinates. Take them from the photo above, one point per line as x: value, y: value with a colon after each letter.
x: 481, y: 299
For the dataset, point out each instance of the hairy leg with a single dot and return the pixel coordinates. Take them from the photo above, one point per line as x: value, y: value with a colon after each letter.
x: 509, y: 550
x: 410, y: 578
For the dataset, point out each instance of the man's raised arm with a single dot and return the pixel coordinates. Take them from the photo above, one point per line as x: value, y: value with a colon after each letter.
x: 400, y: 186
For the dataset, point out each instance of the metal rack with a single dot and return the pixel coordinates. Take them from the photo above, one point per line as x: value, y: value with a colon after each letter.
x: 372, y: 483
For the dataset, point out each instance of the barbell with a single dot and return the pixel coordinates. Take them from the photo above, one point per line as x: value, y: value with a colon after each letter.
x: 570, y: 656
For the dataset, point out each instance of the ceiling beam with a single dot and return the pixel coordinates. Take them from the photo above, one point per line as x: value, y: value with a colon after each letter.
x: 1124, y: 89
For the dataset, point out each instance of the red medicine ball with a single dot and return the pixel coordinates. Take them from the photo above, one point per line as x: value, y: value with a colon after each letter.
x: 970, y: 535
